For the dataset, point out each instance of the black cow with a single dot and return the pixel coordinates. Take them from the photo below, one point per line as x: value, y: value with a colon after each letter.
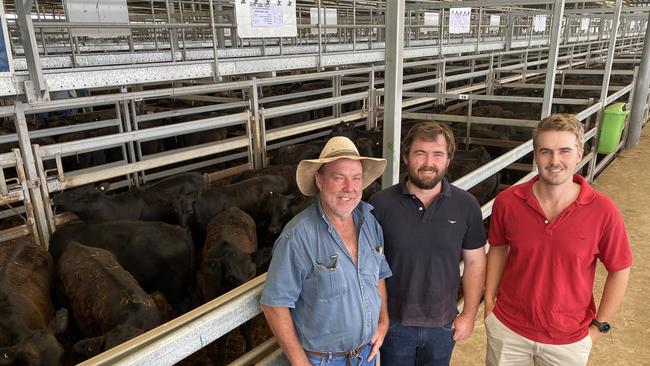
x: 28, y: 325
x: 293, y: 154
x: 107, y: 303
x: 155, y: 202
x: 466, y: 161
x: 288, y: 171
x: 227, y: 259
x: 260, y: 197
x: 160, y: 256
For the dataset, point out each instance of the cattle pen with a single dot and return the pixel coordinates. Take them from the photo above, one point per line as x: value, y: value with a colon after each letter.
x: 143, y: 92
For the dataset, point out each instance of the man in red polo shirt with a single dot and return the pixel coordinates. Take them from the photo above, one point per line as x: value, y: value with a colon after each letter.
x: 545, y: 237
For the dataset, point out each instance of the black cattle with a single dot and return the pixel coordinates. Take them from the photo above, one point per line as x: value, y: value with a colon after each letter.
x: 293, y: 154
x: 287, y: 171
x: 466, y: 161
x: 28, y: 325
x: 160, y: 256
x: 261, y: 197
x: 227, y: 259
x: 107, y: 303
x: 155, y: 202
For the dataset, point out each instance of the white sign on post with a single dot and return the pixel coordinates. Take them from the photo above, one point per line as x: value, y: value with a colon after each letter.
x: 6, y: 62
x: 584, y: 24
x: 495, y: 21
x: 432, y: 19
x: 327, y: 16
x: 459, y: 20
x: 99, y: 11
x: 539, y: 23
x: 266, y: 19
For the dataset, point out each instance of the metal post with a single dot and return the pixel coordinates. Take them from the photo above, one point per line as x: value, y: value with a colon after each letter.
x: 393, y: 90
x: 36, y: 87
x: 640, y: 93
x: 220, y: 32
x: 558, y: 12
x: 259, y: 160
x: 371, y: 122
x: 173, y: 42
x: 320, y: 37
x: 215, y: 65
x: 611, y: 50
x: 33, y: 183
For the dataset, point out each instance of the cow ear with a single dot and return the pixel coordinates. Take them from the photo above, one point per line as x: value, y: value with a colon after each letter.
x: 89, y: 347
x: 59, y: 324
x: 7, y: 356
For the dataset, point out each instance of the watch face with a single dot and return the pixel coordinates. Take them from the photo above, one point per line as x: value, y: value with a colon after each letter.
x: 604, y: 327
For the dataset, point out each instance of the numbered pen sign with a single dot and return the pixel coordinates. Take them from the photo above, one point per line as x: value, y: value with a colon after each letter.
x: 6, y: 64
x: 459, y: 20
x: 257, y: 19
x: 539, y: 23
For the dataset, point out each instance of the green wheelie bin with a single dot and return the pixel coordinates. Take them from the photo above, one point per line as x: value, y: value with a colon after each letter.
x: 612, y: 127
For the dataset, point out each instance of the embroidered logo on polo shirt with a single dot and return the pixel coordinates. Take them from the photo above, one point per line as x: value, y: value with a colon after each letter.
x: 451, y: 221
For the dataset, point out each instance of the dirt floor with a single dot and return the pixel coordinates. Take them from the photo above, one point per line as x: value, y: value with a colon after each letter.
x: 627, y: 182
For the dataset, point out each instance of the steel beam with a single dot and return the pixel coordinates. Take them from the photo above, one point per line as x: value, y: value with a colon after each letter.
x: 393, y: 90
x: 640, y: 93
x: 36, y: 86
x: 558, y: 11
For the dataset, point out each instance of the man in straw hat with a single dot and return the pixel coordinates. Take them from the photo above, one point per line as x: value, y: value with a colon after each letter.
x: 429, y: 225
x: 325, y: 297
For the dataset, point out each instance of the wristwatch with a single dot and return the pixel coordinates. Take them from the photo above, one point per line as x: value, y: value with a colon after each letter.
x: 603, y: 327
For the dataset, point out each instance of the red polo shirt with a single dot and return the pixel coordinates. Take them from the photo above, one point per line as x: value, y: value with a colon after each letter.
x: 545, y: 293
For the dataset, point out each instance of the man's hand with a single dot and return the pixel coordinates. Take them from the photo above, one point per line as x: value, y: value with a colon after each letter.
x: 378, y: 338
x: 462, y: 326
x: 595, y: 334
x: 488, y: 306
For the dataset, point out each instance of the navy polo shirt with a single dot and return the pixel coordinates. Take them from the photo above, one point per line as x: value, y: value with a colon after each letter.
x: 423, y: 247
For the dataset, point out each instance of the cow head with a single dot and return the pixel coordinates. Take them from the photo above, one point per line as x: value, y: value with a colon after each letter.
x: 78, y: 199
x: 279, y: 209
x: 37, y: 347
x: 91, y: 347
x: 231, y: 269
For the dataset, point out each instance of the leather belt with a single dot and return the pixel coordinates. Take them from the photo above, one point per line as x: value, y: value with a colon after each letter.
x: 354, y: 354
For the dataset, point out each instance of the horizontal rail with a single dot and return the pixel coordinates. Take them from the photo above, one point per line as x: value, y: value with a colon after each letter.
x: 95, y: 143
x: 311, y: 105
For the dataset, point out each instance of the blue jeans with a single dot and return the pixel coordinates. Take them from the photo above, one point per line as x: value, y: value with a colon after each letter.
x: 362, y: 360
x: 410, y: 346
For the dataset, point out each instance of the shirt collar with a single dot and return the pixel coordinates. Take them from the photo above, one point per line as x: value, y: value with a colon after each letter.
x: 445, y: 190
x: 586, y: 195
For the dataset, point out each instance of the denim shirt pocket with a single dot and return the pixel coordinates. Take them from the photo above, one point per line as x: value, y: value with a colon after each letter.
x: 330, y: 279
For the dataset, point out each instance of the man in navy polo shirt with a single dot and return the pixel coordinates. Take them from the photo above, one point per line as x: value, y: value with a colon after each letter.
x: 429, y: 226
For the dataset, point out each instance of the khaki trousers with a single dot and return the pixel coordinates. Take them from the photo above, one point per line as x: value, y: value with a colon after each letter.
x: 507, y: 348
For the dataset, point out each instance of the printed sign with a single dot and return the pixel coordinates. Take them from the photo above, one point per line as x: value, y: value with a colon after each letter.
x: 459, y: 20
x: 260, y: 19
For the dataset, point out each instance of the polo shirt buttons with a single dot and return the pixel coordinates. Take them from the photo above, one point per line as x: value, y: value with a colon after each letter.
x: 546, y: 221
x: 420, y: 208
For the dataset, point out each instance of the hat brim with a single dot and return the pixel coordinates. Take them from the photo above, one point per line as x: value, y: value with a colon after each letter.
x: 372, y: 169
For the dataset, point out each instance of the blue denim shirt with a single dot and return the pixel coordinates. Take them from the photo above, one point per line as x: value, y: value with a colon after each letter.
x: 334, y: 303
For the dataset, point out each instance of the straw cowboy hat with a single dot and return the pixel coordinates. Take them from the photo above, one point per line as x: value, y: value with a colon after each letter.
x: 337, y: 147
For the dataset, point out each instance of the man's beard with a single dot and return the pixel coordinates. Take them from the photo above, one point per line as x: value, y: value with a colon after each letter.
x: 428, y: 184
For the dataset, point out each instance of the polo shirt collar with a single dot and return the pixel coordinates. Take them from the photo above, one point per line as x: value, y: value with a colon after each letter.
x: 445, y: 190
x: 586, y: 195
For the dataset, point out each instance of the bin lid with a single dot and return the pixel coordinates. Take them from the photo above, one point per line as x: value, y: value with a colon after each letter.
x: 616, y: 108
